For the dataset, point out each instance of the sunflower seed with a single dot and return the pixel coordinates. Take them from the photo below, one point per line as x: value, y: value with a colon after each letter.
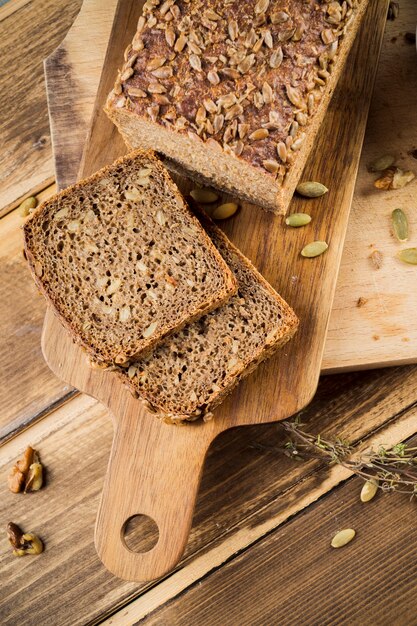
x: 218, y: 122
x: 200, y: 115
x: 282, y: 151
x: 160, y: 99
x: 209, y: 105
x: 260, y: 133
x: 279, y: 17
x: 156, y: 88
x: 271, y: 166
x: 342, y: 538
x: 126, y: 74
x: 243, y: 130
x: 155, y: 63
x: 137, y: 93
x: 204, y: 196
x: 267, y: 93
x: 224, y: 211
x: 195, y: 62
x: 299, y: 142
x: 162, y: 72
x: 230, y: 73
x: 170, y: 36
x: 298, y: 219
x: 409, y: 255
x: 402, y: 178
x: 268, y: 39
x: 261, y: 7
x: 276, y: 58
x: 180, y: 43
x: 327, y: 36
x: 233, y: 29
x: 213, y: 77
x: 313, y: 249
x: 234, y: 111
x: 311, y: 189
x: 369, y: 490
x: 382, y: 163
x: 400, y: 225
x: 294, y: 97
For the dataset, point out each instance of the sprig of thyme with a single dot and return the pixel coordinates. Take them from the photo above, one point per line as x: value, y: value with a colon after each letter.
x: 394, y: 469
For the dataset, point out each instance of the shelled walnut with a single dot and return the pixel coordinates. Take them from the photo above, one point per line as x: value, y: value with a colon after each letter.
x: 23, y: 543
x: 27, y: 474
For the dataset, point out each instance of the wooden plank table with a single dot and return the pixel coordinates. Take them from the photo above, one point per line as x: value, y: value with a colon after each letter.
x: 259, y: 548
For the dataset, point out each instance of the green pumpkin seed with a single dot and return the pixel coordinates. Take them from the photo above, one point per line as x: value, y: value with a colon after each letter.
x: 27, y: 205
x: 311, y: 189
x: 369, y: 490
x: 400, y: 224
x: 409, y: 255
x: 298, y: 219
x: 383, y: 163
x: 315, y: 248
x: 205, y: 196
x: 343, y: 537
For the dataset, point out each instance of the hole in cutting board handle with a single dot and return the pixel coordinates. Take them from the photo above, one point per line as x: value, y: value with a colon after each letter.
x: 140, y: 533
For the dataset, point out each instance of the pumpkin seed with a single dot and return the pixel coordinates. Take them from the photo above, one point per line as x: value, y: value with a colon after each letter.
x: 409, y: 255
x: 298, y: 219
x: 27, y: 205
x: 343, y: 537
x: 369, y: 490
x: 223, y: 211
x: 313, y: 249
x: 381, y: 164
x: 311, y: 189
x: 205, y: 196
x: 400, y: 224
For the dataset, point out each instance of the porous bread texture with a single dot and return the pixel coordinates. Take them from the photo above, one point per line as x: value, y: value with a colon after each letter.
x: 192, y: 371
x: 123, y: 261
x: 234, y: 92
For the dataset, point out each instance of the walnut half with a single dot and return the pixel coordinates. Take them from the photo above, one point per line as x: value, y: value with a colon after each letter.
x: 23, y: 543
x: 27, y: 474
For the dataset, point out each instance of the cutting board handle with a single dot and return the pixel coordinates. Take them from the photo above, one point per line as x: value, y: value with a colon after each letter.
x: 154, y: 470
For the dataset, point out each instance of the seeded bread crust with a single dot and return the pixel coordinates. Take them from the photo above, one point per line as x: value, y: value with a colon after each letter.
x: 234, y: 91
x: 270, y: 323
x: 106, y: 223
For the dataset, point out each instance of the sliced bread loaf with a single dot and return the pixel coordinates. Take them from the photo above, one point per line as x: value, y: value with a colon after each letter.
x: 234, y: 92
x: 193, y: 370
x: 122, y: 259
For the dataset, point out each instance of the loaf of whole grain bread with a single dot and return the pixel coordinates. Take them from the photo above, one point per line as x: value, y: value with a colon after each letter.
x: 123, y: 261
x: 193, y: 370
x: 233, y: 91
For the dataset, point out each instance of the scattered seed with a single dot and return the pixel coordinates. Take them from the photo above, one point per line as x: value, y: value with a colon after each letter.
x: 298, y: 219
x: 224, y: 211
x: 313, y: 249
x: 382, y: 163
x: 394, y: 178
x: 409, y: 255
x: 204, y: 196
x: 376, y: 258
x: 343, y: 537
x: 27, y: 206
x: 400, y: 225
x: 369, y: 490
x: 311, y: 189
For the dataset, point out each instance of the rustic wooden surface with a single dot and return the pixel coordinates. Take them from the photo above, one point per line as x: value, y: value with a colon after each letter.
x: 377, y: 334
x: 244, y: 494
x: 152, y: 471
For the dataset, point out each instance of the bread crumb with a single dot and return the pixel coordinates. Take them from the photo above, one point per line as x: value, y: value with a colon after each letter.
x: 361, y: 302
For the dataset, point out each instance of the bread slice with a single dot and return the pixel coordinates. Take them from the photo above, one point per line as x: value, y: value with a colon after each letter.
x: 192, y: 371
x: 234, y: 93
x: 123, y: 261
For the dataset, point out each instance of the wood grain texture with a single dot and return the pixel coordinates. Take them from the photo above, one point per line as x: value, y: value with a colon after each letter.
x: 289, y: 378
x: 293, y: 576
x: 352, y: 339
x: 25, y: 158
x: 245, y: 493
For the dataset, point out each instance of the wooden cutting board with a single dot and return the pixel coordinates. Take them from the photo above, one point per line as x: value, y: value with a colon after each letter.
x: 154, y: 468
x: 380, y: 333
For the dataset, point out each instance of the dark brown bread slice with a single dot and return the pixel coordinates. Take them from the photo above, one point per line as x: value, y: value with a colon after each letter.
x: 122, y: 259
x: 234, y: 92
x: 192, y: 371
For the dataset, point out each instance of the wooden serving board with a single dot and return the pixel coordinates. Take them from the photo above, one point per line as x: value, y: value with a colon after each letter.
x: 378, y: 334
x: 154, y: 469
